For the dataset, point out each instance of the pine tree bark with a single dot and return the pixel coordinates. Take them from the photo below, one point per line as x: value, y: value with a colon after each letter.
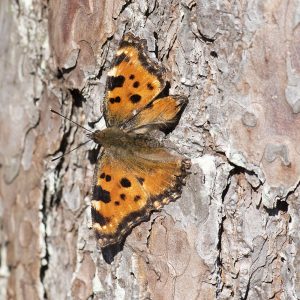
x: 234, y: 232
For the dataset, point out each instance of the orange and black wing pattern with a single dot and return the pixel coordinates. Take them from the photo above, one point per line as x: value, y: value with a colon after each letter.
x: 133, y: 81
x: 135, y: 175
x: 162, y: 114
x: 126, y: 191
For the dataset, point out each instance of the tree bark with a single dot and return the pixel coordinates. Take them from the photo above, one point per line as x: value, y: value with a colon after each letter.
x: 234, y: 232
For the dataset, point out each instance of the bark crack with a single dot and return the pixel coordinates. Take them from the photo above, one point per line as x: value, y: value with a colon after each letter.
x: 235, y: 171
x: 253, y: 272
x: 45, y: 259
x: 206, y: 39
x: 150, y: 230
x: 124, y: 7
x: 219, y: 245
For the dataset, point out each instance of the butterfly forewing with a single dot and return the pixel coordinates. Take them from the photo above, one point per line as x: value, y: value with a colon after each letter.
x: 132, y: 83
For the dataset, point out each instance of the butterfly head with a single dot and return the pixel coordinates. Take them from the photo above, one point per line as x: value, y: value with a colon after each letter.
x: 99, y: 136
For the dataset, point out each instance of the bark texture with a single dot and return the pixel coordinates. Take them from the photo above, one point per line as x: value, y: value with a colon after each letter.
x: 234, y: 234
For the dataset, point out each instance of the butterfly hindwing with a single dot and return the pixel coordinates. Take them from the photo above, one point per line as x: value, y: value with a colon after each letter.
x: 113, y: 202
x: 126, y: 191
x: 133, y: 81
x: 163, y: 114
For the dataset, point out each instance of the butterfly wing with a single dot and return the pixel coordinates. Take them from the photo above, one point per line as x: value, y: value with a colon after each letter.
x: 126, y: 191
x: 133, y: 81
x: 131, y: 182
x: 162, y: 113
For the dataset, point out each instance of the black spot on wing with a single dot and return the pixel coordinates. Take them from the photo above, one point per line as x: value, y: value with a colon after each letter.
x: 131, y: 77
x: 150, y: 86
x: 115, y: 100
x: 141, y: 180
x: 102, y: 175
x: 137, y: 198
x: 114, y: 82
x: 136, y: 84
x: 108, y: 178
x: 98, y: 217
x: 135, y: 98
x: 117, y: 203
x: 101, y: 195
x: 123, y: 196
x: 125, y: 182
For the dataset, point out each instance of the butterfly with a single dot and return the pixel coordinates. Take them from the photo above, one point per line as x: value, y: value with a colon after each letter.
x: 135, y: 174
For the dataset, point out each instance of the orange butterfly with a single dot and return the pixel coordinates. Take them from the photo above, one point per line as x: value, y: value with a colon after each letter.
x: 135, y: 174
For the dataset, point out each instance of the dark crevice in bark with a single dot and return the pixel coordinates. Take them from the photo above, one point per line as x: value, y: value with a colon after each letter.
x: 235, y: 171
x: 170, y: 48
x: 55, y: 200
x: 149, y: 12
x: 62, y: 148
x: 281, y: 206
x: 149, y: 231
x: 111, y: 251
x: 102, y: 67
x: 156, y: 46
x: 64, y: 141
x: 247, y: 291
x: 93, y: 154
x: 46, y: 258
x: 206, y: 39
x: 100, y: 73
x: 219, y: 259
x: 214, y: 54
x: 251, y: 276
x: 61, y: 72
x: 78, y: 99
x: 93, y: 123
x: 219, y: 245
x: 124, y: 7
x: 241, y: 170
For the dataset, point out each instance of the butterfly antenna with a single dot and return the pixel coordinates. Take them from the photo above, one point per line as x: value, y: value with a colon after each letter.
x: 55, y: 112
x: 55, y: 158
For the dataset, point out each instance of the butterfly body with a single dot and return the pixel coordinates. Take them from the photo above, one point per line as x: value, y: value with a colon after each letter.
x: 135, y: 174
x: 112, y: 137
x: 120, y: 143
